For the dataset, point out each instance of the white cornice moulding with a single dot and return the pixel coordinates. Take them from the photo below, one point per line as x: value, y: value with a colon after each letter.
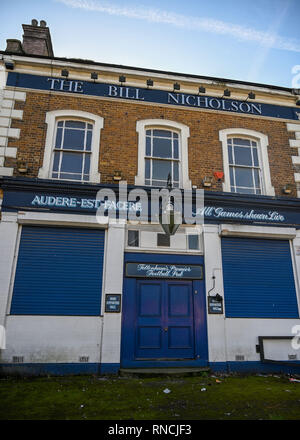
x: 146, y: 72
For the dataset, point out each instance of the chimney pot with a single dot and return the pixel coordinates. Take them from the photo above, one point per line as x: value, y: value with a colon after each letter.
x: 43, y: 23
x: 34, y: 22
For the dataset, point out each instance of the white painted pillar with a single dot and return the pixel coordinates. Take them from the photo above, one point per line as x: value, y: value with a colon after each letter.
x: 8, y: 239
x: 113, y: 284
x: 213, y: 267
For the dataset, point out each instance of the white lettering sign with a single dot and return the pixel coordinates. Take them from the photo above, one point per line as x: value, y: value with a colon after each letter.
x: 252, y: 215
x: 64, y: 85
x: 74, y: 202
x: 163, y: 270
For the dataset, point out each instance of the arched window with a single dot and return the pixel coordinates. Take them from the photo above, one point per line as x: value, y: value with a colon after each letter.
x: 246, y: 164
x: 72, y: 150
x: 72, y: 146
x: 162, y: 151
x: 162, y: 157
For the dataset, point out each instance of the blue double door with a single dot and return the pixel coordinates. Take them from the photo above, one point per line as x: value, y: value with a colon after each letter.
x: 163, y: 319
x: 164, y: 322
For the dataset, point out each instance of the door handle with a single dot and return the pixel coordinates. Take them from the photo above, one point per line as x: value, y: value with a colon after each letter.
x: 166, y: 329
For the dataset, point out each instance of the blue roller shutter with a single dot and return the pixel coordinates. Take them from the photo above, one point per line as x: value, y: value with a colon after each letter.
x: 258, y: 278
x: 59, y: 272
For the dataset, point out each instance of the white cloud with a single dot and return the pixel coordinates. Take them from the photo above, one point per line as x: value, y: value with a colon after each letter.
x: 263, y: 50
x: 268, y: 39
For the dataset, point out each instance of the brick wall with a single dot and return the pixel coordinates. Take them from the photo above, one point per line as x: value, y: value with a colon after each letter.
x: 119, y: 143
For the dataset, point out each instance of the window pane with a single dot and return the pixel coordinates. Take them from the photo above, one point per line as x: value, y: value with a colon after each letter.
x: 231, y: 175
x: 162, y: 133
x: 230, y: 154
x: 56, y: 161
x: 242, y: 156
x: 245, y: 190
x: 87, y: 164
x: 88, y: 140
x: 238, y: 141
x: 133, y: 238
x: 75, y: 124
x: 90, y: 126
x: 55, y: 175
x: 163, y: 240
x: 193, y: 241
x: 60, y: 123
x: 162, y: 147
x: 147, y: 169
x: 161, y: 169
x: 255, y: 157
x: 176, y: 172
x: 70, y: 176
x: 71, y: 163
x: 243, y: 177
x: 58, y: 138
x: 73, y: 140
x: 175, y: 135
x: 256, y: 178
x: 148, y: 132
x: 176, y: 150
x: 159, y: 182
x: 148, y: 146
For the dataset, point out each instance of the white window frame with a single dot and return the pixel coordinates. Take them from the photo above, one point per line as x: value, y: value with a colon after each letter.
x: 183, y: 134
x: 263, y: 142
x: 52, y: 117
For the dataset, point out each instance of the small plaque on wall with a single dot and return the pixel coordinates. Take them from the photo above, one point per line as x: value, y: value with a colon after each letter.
x: 112, y: 303
x: 215, y: 305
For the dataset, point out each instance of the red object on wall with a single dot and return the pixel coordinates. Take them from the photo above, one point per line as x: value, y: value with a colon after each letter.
x: 219, y: 175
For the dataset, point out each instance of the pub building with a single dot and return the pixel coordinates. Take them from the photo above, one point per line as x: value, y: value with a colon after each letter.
x: 90, y: 281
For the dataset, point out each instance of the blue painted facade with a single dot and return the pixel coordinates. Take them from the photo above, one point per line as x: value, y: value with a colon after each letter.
x: 39, y: 82
x: 255, y: 367
x: 168, y: 327
x: 62, y: 369
x: 58, y: 369
x: 60, y: 269
x: 218, y: 207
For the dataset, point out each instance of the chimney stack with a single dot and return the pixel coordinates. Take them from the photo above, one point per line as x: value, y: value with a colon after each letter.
x: 36, y: 40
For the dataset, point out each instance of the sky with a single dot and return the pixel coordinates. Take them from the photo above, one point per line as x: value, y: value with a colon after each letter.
x: 249, y: 40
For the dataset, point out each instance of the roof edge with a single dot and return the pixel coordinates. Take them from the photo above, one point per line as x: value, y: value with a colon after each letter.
x: 156, y: 71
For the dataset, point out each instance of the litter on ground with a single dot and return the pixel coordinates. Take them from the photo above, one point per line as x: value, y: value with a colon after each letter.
x: 167, y: 391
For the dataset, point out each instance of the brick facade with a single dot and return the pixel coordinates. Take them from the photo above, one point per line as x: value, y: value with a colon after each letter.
x: 119, y: 142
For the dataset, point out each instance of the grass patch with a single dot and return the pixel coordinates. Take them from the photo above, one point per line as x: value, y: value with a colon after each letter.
x: 119, y: 398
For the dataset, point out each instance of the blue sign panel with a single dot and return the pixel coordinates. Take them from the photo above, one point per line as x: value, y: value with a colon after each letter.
x: 159, y: 270
x: 113, y: 91
x: 216, y: 209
